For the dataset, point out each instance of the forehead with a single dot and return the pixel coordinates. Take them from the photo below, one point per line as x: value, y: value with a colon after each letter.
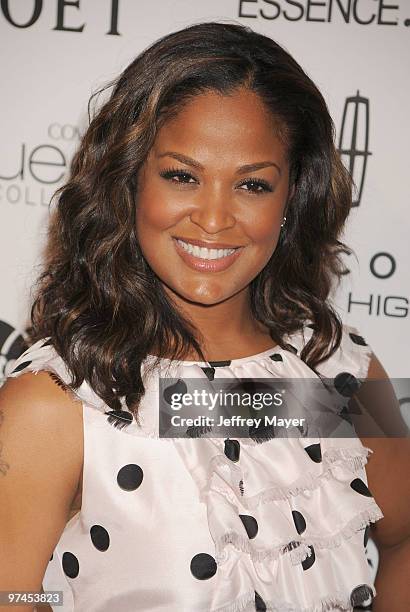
x: 234, y: 127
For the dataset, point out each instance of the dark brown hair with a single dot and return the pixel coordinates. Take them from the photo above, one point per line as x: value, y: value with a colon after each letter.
x: 97, y: 298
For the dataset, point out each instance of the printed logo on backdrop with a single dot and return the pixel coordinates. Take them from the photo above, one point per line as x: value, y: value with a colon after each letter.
x: 354, y: 12
x: 382, y: 266
x: 12, y: 345
x: 31, y: 173
x: 354, y: 141
x: 354, y: 150
x: 68, y: 15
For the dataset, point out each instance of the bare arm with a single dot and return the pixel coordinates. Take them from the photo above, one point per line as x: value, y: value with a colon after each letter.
x: 388, y: 472
x: 41, y: 457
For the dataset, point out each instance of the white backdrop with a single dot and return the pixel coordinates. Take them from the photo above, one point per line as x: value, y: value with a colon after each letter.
x: 55, y: 53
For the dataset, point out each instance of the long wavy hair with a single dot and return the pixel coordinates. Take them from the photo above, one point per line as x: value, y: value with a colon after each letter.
x: 97, y: 298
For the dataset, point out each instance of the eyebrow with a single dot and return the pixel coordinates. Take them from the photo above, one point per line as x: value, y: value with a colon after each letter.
x: 241, y: 170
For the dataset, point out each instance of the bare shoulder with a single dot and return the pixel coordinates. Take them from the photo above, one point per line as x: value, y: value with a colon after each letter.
x: 43, y: 387
x: 38, y: 403
x: 388, y: 468
x: 41, y: 420
x: 41, y: 455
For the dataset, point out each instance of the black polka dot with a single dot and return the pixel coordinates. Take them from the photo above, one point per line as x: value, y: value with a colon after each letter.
x: 220, y: 364
x: 309, y: 561
x: 210, y: 372
x: 315, y: 452
x: 292, y: 348
x: 311, y: 325
x: 369, y: 561
x: 261, y: 433
x: 100, y: 537
x: 303, y: 430
x: 358, y: 485
x: 276, y: 357
x: 57, y: 380
x: 196, y: 431
x: 346, y: 384
x: 366, y: 535
x: 130, y: 477
x: 353, y: 406
x: 291, y: 545
x: 51, y: 558
x: 70, y: 565
x: 358, y: 339
x: 47, y: 343
x: 361, y: 594
x: 299, y: 521
x: 119, y: 418
x: 260, y: 605
x: 345, y: 415
x: 178, y: 387
x: 203, y: 566
x: 251, y: 525
x: 23, y: 365
x: 232, y: 449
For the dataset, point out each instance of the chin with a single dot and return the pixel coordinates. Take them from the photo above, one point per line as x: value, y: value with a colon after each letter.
x: 206, y: 299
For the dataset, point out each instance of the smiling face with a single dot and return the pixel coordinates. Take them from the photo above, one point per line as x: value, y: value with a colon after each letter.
x: 194, y: 186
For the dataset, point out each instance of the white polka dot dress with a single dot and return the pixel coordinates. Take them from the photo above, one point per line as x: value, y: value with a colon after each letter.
x: 213, y: 524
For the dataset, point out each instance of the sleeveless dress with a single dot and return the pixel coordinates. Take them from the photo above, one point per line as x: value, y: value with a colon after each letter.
x: 214, y: 525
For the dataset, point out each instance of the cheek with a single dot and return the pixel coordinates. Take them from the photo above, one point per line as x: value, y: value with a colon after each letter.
x: 154, y: 211
x: 264, y: 227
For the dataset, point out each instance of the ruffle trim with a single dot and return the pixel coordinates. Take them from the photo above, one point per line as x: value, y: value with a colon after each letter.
x: 220, y: 478
x: 352, y: 459
x: 337, y: 601
x: 299, y: 550
x: 224, y: 477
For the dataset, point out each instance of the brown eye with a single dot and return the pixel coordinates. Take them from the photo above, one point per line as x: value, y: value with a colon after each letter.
x: 183, y: 177
x: 257, y: 186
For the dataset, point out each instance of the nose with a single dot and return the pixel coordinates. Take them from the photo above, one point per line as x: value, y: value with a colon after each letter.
x: 213, y: 211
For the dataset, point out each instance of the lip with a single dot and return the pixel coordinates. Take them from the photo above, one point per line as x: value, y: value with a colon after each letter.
x: 207, y: 244
x: 207, y: 265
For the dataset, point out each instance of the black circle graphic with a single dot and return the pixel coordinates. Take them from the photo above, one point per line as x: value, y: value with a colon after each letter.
x: 392, y: 265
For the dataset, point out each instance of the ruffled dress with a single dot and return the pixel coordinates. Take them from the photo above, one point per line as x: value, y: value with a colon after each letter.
x: 213, y: 524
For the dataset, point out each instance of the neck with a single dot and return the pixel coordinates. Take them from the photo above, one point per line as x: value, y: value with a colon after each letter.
x: 226, y: 329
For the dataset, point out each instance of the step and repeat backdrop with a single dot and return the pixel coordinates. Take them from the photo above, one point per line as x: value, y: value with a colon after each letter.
x: 55, y: 53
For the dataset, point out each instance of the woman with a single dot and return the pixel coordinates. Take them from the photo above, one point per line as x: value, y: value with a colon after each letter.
x: 198, y: 230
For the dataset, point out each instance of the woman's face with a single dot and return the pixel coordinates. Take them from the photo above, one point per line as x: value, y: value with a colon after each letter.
x: 195, y: 186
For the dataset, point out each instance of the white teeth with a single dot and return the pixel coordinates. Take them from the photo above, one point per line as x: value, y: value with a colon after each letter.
x: 204, y: 253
